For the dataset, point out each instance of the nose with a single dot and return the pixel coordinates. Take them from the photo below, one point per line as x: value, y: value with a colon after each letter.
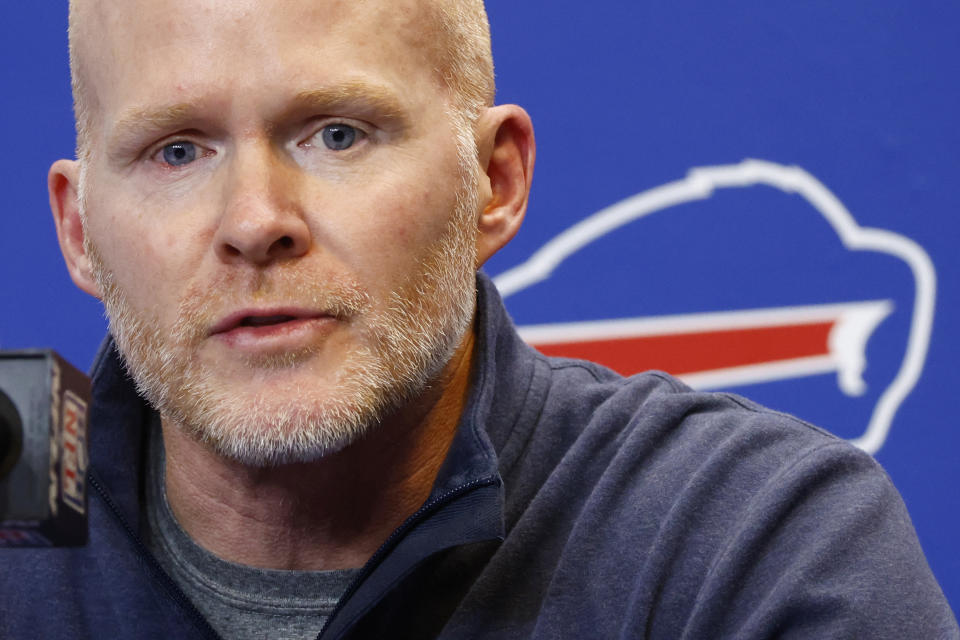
x: 262, y: 220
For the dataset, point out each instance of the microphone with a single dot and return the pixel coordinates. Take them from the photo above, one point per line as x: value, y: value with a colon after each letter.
x: 44, y: 404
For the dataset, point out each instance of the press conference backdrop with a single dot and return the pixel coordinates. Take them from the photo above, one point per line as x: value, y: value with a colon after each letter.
x: 757, y: 196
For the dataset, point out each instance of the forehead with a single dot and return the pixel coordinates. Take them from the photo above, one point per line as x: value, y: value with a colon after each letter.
x: 128, y: 48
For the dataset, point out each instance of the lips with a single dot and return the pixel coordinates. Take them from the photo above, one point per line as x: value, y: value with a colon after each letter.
x: 256, y: 319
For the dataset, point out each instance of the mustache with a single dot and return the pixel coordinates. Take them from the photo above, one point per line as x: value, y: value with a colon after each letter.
x: 206, y: 303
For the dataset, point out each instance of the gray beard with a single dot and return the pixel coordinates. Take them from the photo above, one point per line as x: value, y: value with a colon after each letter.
x: 406, y: 347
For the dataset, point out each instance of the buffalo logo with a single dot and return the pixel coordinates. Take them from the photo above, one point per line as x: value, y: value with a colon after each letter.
x: 741, y: 240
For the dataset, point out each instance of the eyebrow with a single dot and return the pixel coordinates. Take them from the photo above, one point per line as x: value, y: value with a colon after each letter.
x: 356, y: 95
x: 135, y: 120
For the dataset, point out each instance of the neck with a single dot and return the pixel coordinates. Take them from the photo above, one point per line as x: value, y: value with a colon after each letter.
x: 329, y: 514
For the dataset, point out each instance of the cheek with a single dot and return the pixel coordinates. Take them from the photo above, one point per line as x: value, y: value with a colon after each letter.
x: 149, y: 264
x: 404, y: 222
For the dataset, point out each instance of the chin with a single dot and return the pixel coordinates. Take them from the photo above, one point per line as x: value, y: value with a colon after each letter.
x: 281, y: 417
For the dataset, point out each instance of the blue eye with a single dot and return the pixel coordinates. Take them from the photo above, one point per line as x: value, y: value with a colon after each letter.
x: 338, y: 137
x: 177, y: 154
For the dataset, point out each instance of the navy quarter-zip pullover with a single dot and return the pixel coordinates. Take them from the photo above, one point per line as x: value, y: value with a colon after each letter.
x: 574, y: 503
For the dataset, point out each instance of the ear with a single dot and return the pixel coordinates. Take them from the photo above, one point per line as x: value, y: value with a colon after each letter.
x: 62, y: 185
x: 507, y: 152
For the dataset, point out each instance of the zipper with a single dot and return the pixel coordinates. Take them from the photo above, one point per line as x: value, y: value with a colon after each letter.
x: 399, y: 532
x: 169, y: 585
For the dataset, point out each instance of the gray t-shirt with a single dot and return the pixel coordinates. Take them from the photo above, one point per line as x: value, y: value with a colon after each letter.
x: 240, y: 602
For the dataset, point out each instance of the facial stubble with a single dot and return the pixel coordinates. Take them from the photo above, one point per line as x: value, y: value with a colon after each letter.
x: 402, y: 348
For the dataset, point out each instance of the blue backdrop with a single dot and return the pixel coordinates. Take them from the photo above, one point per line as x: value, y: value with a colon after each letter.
x: 846, y: 226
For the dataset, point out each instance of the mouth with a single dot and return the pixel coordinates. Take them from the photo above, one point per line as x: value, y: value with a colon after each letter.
x: 264, y: 321
x: 252, y: 320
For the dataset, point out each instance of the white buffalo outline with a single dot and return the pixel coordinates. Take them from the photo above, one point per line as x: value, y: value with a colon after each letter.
x: 700, y: 184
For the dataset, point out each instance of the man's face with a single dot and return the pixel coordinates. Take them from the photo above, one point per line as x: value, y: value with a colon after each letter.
x: 277, y: 215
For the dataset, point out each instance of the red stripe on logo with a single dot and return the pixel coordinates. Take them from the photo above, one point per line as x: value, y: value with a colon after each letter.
x: 682, y: 353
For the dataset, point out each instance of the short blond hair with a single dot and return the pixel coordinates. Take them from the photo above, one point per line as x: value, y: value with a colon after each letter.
x: 465, y: 63
x: 465, y: 55
x: 81, y: 106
